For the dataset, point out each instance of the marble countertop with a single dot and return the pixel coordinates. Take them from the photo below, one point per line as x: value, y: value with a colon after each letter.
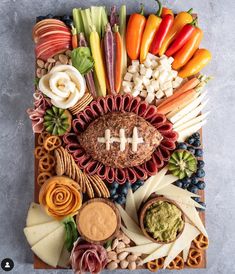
x: 16, y: 139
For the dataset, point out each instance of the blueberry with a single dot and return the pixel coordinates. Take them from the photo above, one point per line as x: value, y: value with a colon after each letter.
x: 115, y: 197
x: 201, y: 185
x: 193, y: 189
x: 197, y: 143
x: 202, y: 204
x: 49, y: 16
x: 124, y: 190
x: 121, y: 200
x: 179, y: 183
x: 134, y: 187
x: 200, y: 164
x: 198, y: 152
x: 139, y: 182
x: 112, y: 192
x: 196, y: 135
x: 182, y: 146
x: 196, y: 199
x: 186, y: 182
x: 200, y: 173
x: 190, y: 140
x: 193, y: 180
x: 128, y: 185
x: 191, y: 149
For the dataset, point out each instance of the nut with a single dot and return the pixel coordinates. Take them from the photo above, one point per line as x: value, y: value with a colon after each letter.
x: 125, y: 239
x: 132, y: 266
x: 50, y: 66
x: 56, y: 57
x: 137, y: 254
x: 44, y: 72
x: 68, y: 53
x: 124, y: 264
x: 112, y: 266
x: 39, y: 72
x: 120, y: 235
x: 46, y: 65
x: 122, y: 255
x: 51, y: 60
x: 40, y: 63
x: 131, y: 258
x: 63, y: 59
x: 112, y: 255
x: 114, y: 243
x: 58, y: 63
x: 121, y: 245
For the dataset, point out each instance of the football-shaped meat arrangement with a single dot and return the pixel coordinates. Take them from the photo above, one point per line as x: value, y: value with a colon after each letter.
x: 120, y: 139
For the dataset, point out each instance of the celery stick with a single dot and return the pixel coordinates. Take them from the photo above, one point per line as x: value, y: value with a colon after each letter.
x: 122, y: 23
x: 104, y: 21
x: 96, y: 15
x: 77, y: 19
x: 87, y: 22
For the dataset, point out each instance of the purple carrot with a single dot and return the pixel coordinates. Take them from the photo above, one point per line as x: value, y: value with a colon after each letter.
x: 113, y: 16
x: 109, y: 50
x: 89, y: 76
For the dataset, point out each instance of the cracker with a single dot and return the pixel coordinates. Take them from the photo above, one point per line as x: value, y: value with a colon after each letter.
x: 59, y: 168
x: 89, y: 189
x: 81, y: 104
x: 102, y: 186
x: 95, y: 186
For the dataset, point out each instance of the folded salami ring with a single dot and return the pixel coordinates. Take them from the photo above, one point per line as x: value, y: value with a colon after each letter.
x: 101, y: 172
x: 151, y: 167
x: 169, y: 145
x: 118, y: 102
x: 79, y: 156
x: 110, y: 175
x: 141, y: 108
x: 70, y: 138
x: 120, y: 176
x: 78, y: 125
x: 167, y: 127
x: 165, y: 153
x: 92, y: 167
x: 83, y: 116
x: 96, y: 109
x: 126, y: 102
x: 89, y: 113
x: 170, y: 135
x: 73, y: 147
x: 140, y: 173
x: 134, y: 104
x: 150, y: 113
x: 84, y: 161
x: 158, y: 158
x: 158, y: 120
x: 102, y: 102
x: 110, y: 103
x: 131, y: 175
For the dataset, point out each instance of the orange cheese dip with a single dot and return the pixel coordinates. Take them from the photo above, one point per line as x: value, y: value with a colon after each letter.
x: 97, y: 221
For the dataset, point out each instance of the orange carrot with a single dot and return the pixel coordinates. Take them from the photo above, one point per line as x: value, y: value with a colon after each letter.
x: 74, y: 38
x: 118, y: 64
x: 190, y: 84
x: 180, y: 99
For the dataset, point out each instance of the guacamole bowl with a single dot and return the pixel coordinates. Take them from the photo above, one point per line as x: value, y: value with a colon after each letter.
x: 161, y: 220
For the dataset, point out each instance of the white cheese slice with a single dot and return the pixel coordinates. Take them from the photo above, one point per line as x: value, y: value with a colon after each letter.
x: 185, y: 110
x: 193, y: 216
x: 64, y: 258
x: 137, y: 238
x: 192, y: 122
x: 50, y: 247
x: 185, y: 200
x: 186, y: 252
x: 128, y: 221
x: 173, y: 190
x: 36, y: 215
x: 192, y: 114
x: 130, y: 205
x: 143, y: 249
x: 189, y: 233
x: 167, y: 180
x: 162, y: 251
x: 189, y: 131
x: 35, y: 233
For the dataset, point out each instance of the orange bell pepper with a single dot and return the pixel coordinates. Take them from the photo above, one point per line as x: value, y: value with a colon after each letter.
x: 150, y: 30
x: 166, y: 11
x: 134, y: 33
x: 200, y: 59
x: 181, y: 20
x: 186, y: 52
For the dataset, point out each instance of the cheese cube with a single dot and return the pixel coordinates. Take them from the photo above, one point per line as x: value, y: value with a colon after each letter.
x: 135, y: 76
x: 142, y: 69
x: 170, y: 60
x: 147, y: 63
x: 166, y: 85
x: 148, y: 73
x: 135, y: 63
x: 128, y: 76
x: 138, y: 81
x: 156, y: 74
x: 150, y: 89
x: 135, y: 92
x: 143, y: 93
x: 163, y: 76
x: 168, y: 92
x: 164, y: 62
x: 160, y: 94
x: 138, y: 86
x: 133, y: 69
x: 127, y: 84
x: 179, y: 80
x: 146, y: 81
x: 151, y: 56
x: 155, y: 84
x: 126, y: 89
x: 175, y: 84
x: 154, y: 64
x: 174, y: 73
x: 150, y: 97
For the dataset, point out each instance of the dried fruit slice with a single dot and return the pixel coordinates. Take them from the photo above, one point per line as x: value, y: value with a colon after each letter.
x: 57, y: 121
x: 182, y: 164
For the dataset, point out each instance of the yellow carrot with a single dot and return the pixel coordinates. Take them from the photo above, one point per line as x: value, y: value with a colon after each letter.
x: 99, y: 64
x: 180, y: 99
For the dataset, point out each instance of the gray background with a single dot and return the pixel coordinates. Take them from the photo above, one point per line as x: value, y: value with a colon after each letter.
x: 16, y: 138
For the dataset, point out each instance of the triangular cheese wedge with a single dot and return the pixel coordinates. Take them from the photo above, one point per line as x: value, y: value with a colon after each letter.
x: 50, y: 247
x: 186, y: 252
x: 167, y: 180
x: 189, y: 233
x: 144, y: 249
x: 138, y: 239
x: 36, y: 215
x: 172, y: 190
x: 130, y: 206
x: 64, y: 258
x: 37, y: 232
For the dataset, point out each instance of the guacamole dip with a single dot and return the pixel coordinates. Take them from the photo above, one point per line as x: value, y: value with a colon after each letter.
x: 163, y: 221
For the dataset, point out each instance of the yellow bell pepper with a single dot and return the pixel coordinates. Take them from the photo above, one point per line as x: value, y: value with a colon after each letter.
x: 181, y: 20
x: 200, y: 59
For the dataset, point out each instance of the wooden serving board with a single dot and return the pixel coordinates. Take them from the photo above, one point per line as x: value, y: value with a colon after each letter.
x: 39, y: 264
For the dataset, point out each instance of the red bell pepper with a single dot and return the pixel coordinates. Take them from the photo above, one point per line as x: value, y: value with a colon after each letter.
x: 182, y: 38
x: 167, y: 22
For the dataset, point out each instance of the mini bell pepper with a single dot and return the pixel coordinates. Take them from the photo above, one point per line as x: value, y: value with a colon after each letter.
x: 134, y: 33
x: 166, y: 11
x: 186, y: 52
x: 200, y: 59
x: 167, y: 22
x: 183, y: 36
x: 152, y: 26
x: 181, y: 20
